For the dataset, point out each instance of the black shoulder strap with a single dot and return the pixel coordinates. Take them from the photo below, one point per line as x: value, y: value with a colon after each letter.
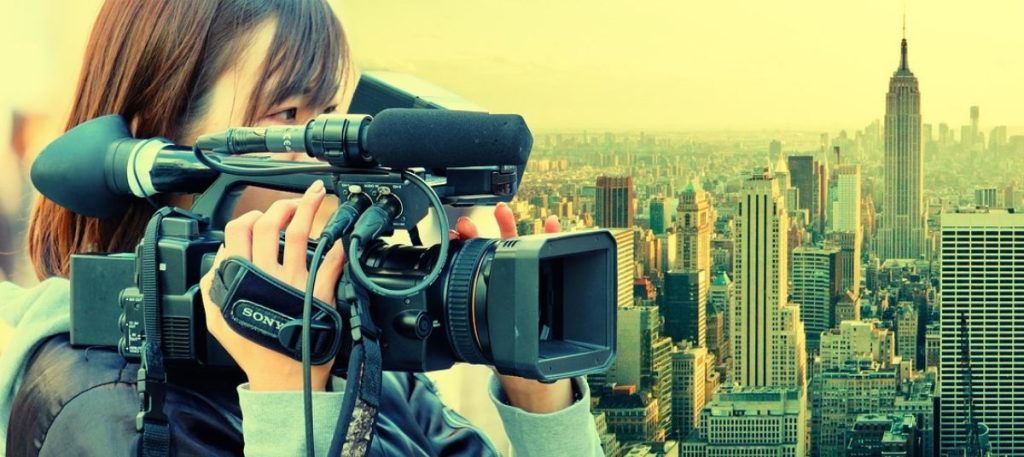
x: 354, y: 432
x: 151, y: 420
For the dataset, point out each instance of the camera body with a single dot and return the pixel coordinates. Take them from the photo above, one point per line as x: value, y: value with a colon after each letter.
x: 513, y: 303
x: 541, y: 306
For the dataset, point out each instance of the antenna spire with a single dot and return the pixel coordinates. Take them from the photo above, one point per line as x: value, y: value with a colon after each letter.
x: 904, y: 67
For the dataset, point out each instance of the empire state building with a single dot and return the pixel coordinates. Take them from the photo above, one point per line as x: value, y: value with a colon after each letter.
x: 902, y: 230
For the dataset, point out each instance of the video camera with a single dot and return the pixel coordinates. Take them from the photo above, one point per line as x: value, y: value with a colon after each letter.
x: 538, y: 306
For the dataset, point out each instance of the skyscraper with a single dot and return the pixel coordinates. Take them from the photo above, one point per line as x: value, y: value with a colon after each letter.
x: 722, y: 300
x: 985, y: 196
x: 903, y: 225
x: 906, y: 332
x: 846, y: 210
x: 689, y: 372
x: 614, y: 202
x: 815, y: 288
x: 684, y: 306
x: 696, y: 223
x: 982, y: 277
x: 766, y: 333
x: 804, y: 173
x: 624, y: 265
x: 660, y: 218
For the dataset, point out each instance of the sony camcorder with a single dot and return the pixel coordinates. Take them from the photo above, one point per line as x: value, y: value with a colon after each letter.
x: 538, y: 306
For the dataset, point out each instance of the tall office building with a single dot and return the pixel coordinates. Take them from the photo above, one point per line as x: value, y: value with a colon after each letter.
x: 751, y: 422
x: 805, y: 175
x: 975, y: 129
x: 906, y: 333
x: 774, y: 148
x: 684, y: 306
x: 624, y: 264
x: 766, y: 333
x: 816, y: 287
x: 849, y: 260
x: 613, y: 205
x: 1010, y: 195
x: 696, y: 221
x: 903, y: 227
x: 846, y: 209
x: 689, y: 376
x: 792, y: 194
x: 660, y: 218
x: 982, y: 277
x: 985, y: 196
x: 722, y: 299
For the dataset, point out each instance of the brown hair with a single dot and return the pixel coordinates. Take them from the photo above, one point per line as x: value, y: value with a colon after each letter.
x: 154, y: 62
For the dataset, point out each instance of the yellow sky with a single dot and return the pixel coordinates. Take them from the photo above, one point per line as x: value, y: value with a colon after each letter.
x: 654, y: 65
x: 701, y: 64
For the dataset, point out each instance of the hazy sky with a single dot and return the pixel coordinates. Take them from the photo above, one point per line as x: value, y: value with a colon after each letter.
x: 689, y: 65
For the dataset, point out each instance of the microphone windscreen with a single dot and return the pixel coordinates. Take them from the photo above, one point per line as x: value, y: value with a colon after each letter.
x: 72, y: 170
x: 405, y: 138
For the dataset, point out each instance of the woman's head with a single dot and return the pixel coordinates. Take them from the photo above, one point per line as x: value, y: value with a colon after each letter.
x: 178, y: 69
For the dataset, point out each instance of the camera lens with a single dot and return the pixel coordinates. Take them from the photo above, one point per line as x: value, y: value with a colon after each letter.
x: 466, y: 310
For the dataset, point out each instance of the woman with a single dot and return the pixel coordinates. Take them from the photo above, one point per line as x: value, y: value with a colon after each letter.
x: 179, y: 69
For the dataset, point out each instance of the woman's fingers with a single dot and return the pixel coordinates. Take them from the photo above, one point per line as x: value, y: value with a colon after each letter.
x: 296, y: 236
x: 551, y: 225
x: 238, y: 235
x: 506, y: 221
x: 329, y: 273
x: 266, y: 233
x: 466, y: 228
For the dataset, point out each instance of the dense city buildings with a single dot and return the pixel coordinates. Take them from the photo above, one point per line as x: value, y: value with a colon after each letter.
x: 824, y: 273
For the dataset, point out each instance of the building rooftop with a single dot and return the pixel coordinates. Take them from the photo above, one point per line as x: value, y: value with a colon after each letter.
x: 622, y: 401
x: 721, y: 279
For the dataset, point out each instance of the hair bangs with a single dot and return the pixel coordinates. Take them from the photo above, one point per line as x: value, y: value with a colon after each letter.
x: 307, y: 57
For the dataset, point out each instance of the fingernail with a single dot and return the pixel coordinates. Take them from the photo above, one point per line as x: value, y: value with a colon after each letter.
x: 316, y: 187
x: 462, y: 219
x: 501, y: 204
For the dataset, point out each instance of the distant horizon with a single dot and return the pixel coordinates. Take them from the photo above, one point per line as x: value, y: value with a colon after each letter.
x: 541, y: 129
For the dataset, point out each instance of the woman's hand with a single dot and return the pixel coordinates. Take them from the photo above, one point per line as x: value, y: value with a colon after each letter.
x: 254, y: 236
x: 527, y: 394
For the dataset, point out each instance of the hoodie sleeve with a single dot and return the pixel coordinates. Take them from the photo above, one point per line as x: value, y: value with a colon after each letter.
x: 32, y: 315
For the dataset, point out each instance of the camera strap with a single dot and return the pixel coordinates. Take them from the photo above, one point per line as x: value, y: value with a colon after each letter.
x: 152, y: 377
x: 362, y: 392
x: 268, y: 312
